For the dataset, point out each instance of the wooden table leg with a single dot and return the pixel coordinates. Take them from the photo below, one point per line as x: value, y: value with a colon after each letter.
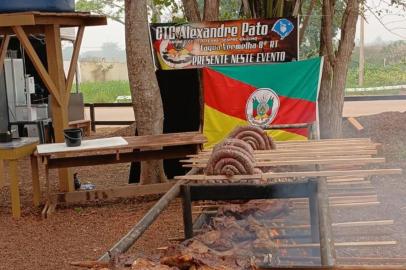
x: 15, y: 193
x: 48, y: 191
x: 36, y: 188
x: 2, y: 174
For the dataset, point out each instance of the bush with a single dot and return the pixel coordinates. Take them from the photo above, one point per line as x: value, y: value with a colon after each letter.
x: 107, y: 92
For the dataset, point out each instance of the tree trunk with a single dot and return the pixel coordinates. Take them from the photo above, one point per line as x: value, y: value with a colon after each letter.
x: 191, y: 10
x: 145, y: 92
x: 211, y: 10
x: 332, y: 90
x: 306, y: 20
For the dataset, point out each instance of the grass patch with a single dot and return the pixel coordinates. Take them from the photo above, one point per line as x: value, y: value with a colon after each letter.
x: 378, y: 75
x: 107, y: 92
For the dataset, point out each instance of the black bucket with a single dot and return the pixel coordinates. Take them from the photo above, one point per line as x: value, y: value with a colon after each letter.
x: 73, y: 137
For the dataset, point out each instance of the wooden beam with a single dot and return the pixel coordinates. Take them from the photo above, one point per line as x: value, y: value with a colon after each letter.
x: 29, y: 30
x: 3, y: 50
x: 49, y: 83
x: 272, y: 175
x: 337, y: 267
x: 16, y: 20
x: 129, y: 191
x: 354, y: 122
x: 59, y: 113
x: 341, y: 161
x: 70, y: 21
x: 342, y: 244
x: 74, y: 61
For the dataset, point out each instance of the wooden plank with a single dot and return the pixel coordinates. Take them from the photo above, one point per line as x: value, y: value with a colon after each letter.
x: 325, y: 140
x: 343, y: 184
x: 16, y: 19
x: 336, y: 267
x: 278, y: 153
x: 341, y: 161
x: 354, y: 122
x: 42, y: 72
x: 272, y: 175
x: 363, y: 223
x: 128, y: 191
x: 150, y: 142
x: 36, y: 187
x: 59, y: 113
x: 69, y: 20
x: 282, y: 157
x: 312, y: 149
x: 3, y: 50
x: 74, y: 61
x: 354, y: 179
x: 128, y: 240
x: 342, y: 244
x: 113, y: 158
x: 337, y: 225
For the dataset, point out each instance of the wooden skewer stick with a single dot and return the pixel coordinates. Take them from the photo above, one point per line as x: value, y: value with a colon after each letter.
x: 301, y: 174
x: 358, y: 161
x: 342, y: 244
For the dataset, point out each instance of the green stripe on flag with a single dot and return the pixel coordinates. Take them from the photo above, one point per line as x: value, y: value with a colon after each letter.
x: 294, y: 79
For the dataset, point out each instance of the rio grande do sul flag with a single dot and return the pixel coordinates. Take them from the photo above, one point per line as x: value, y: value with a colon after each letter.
x: 262, y: 95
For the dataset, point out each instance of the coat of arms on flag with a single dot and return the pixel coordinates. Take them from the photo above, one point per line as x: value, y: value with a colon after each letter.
x: 261, y: 95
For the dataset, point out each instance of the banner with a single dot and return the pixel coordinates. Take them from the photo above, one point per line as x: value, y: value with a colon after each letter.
x: 239, y: 42
x: 261, y: 95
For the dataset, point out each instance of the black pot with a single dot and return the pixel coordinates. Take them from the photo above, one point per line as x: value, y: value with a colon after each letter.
x: 5, y: 137
x: 73, y: 137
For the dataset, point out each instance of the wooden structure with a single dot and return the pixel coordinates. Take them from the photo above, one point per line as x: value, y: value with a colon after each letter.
x: 340, y: 184
x: 52, y: 73
x: 12, y: 152
x: 136, y: 148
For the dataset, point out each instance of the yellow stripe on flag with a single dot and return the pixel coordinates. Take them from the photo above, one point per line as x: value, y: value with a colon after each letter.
x: 282, y: 135
x: 218, y: 125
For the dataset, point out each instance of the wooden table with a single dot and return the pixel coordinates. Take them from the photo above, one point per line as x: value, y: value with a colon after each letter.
x: 12, y: 152
x: 118, y: 150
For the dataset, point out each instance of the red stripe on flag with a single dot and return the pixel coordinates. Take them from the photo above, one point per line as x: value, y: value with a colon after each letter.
x: 225, y: 94
x: 230, y: 96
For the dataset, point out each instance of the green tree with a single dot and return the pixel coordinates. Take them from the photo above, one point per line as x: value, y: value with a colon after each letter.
x: 114, y: 9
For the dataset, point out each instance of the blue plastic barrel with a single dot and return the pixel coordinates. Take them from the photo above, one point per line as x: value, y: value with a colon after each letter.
x: 37, y: 5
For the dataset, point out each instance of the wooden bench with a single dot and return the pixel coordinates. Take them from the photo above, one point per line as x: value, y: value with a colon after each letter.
x: 83, y: 124
x: 120, y: 150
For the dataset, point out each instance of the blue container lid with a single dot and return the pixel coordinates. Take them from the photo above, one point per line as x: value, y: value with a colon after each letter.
x: 37, y: 5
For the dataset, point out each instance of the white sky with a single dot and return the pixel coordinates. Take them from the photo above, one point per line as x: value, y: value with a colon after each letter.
x: 114, y: 32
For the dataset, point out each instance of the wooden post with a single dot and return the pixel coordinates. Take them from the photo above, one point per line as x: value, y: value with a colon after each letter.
x: 92, y: 117
x: 14, y: 186
x: 3, y: 50
x: 327, y: 251
x: 187, y: 211
x: 314, y: 215
x: 128, y: 240
x: 36, y: 188
x: 59, y: 113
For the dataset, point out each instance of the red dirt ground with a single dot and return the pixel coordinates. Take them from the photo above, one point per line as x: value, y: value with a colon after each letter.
x: 85, y: 232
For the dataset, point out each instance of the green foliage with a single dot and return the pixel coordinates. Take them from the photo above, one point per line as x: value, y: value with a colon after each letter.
x: 378, y: 75
x: 113, y: 9
x: 230, y: 10
x: 311, y: 42
x: 104, y: 91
